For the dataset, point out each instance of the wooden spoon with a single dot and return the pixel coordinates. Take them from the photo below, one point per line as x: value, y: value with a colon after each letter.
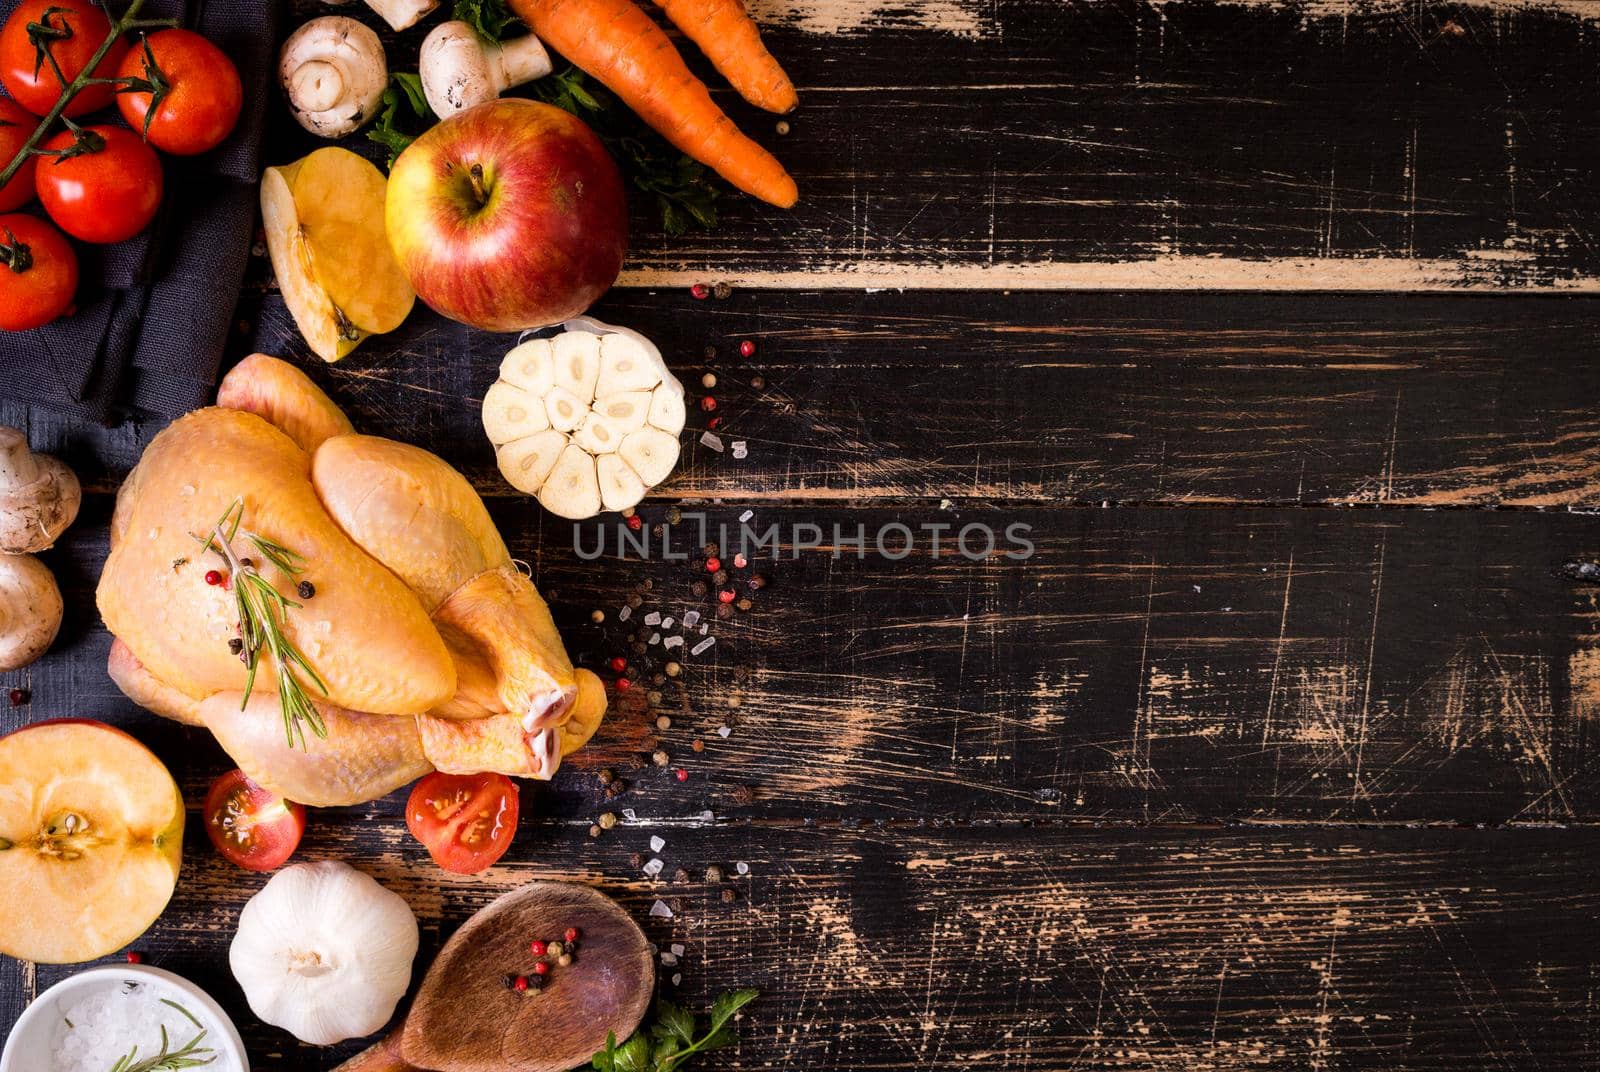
x: 465, y: 1018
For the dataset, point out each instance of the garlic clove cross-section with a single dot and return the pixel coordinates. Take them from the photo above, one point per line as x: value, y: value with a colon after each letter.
x: 324, y: 952
x: 587, y: 420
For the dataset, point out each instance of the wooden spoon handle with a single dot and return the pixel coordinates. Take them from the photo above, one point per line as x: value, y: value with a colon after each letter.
x: 384, y: 1057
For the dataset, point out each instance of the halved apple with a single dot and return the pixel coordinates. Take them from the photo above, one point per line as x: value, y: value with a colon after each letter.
x: 323, y: 216
x: 91, y: 840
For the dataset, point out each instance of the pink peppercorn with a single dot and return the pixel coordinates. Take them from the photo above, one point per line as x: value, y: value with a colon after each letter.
x: 571, y: 935
x: 683, y: 775
x: 520, y: 983
x: 700, y: 292
x: 541, y: 968
x: 636, y: 522
x: 708, y: 403
x: 740, y: 562
x: 619, y: 664
x: 726, y: 595
x: 623, y: 684
x: 536, y: 947
x: 213, y: 577
x: 747, y: 348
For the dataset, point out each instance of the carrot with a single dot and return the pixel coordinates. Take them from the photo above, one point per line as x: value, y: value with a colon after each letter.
x: 732, y: 42
x: 615, y: 42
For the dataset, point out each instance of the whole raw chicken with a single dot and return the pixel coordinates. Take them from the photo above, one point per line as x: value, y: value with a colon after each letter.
x: 437, y: 653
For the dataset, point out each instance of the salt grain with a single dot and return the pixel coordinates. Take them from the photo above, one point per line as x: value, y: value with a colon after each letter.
x: 703, y: 645
x: 712, y: 440
x: 742, y: 867
x: 740, y: 450
x: 653, y: 866
x: 629, y: 814
x: 707, y: 816
x: 704, y: 627
x: 657, y: 843
x: 669, y: 959
x: 624, y: 613
x: 691, y: 618
x: 660, y: 910
x: 666, y: 623
x: 724, y: 731
x: 677, y: 949
x: 655, y: 638
x: 672, y: 642
x: 746, y: 516
x: 677, y: 977
x: 653, y: 618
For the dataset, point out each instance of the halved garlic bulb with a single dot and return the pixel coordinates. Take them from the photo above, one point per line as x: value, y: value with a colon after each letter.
x: 586, y: 420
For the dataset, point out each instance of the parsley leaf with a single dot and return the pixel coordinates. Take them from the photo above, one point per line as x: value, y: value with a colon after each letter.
x: 403, y: 88
x: 674, y: 1034
x: 489, y: 18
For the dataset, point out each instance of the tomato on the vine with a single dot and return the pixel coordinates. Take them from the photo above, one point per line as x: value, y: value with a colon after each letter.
x: 106, y: 185
x: 16, y: 126
x: 466, y: 821
x: 38, y: 273
x: 251, y: 826
x: 68, y: 32
x: 199, y: 89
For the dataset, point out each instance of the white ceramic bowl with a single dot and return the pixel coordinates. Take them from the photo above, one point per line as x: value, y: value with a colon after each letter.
x: 28, y: 1048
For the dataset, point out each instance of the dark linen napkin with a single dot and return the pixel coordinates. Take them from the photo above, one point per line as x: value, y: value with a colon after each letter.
x: 154, y: 312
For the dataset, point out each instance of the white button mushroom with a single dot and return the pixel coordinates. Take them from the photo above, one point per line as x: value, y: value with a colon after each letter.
x: 460, y: 69
x: 39, y: 496
x: 402, y: 14
x: 334, y: 73
x: 30, y: 610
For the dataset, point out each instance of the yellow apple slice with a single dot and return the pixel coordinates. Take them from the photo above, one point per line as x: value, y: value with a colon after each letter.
x: 323, y: 217
x: 91, y: 839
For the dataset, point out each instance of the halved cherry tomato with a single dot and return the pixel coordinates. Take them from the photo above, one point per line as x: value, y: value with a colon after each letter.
x: 38, y: 272
x: 71, y: 31
x: 16, y: 127
x: 250, y: 826
x: 466, y: 821
x: 201, y: 99
x: 105, y: 194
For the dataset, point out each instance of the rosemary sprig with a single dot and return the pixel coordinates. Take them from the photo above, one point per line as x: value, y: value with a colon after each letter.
x: 190, y: 1055
x: 263, y: 612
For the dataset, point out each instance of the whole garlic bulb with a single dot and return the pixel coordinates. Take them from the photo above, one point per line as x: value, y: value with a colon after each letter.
x: 324, y: 952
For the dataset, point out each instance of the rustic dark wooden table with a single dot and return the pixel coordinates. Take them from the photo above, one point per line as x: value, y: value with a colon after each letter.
x: 1276, y: 324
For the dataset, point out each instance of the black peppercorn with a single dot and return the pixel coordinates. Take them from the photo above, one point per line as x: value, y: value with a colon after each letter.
x: 606, y: 775
x: 743, y: 794
x: 724, y: 610
x: 698, y: 588
x: 721, y: 576
x: 635, y: 602
x: 722, y: 291
x: 711, y: 353
x: 758, y: 581
x: 711, y: 550
x: 510, y: 981
x: 758, y: 382
x: 680, y: 875
x: 305, y: 590
x: 636, y: 861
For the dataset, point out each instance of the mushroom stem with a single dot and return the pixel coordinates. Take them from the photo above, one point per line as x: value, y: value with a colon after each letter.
x: 334, y: 73
x: 461, y: 70
x: 18, y: 464
x: 39, y: 496
x: 402, y: 14
x: 316, y: 86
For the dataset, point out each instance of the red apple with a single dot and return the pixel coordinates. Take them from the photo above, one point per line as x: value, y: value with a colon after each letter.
x: 509, y: 215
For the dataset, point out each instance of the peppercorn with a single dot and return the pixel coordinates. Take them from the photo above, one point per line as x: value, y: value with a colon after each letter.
x: 305, y: 589
x: 758, y: 581
x: 597, y: 616
x: 636, y: 861
x: 673, y: 669
x: 720, y: 577
x: 635, y: 602
x: 739, y: 561
x: 607, y: 821
x: 747, y: 348
x: 20, y: 697
x: 674, y: 515
x: 213, y: 577
x: 654, y: 695
x: 699, y: 292
x: 710, y: 550
x: 743, y: 794
x: 520, y: 984
x: 541, y: 968
x: 741, y: 673
x: 698, y: 745
x: 623, y: 684
x: 713, y: 564
x: 555, y: 949
x: 619, y: 664
x: 606, y: 776
x: 744, y: 604
x: 709, y: 380
x: 594, y: 831
x: 635, y: 523
x: 734, y: 701
x: 660, y: 758
x: 725, y: 611
x: 640, y: 647
x: 710, y: 353
x: 758, y: 382
x: 616, y: 789
x: 680, y: 875
x: 511, y: 980
x: 536, y: 947
x: 565, y: 960
x: 722, y: 291
x: 135, y: 957
x: 714, y: 423
x: 708, y: 404
x: 663, y: 723
x: 727, y: 896
x: 647, y: 584
x: 698, y: 588
x: 713, y: 873
x: 682, y: 775
x: 782, y: 127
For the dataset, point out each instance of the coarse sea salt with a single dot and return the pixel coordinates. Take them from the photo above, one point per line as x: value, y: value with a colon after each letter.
x: 740, y: 450
x: 666, y: 623
x: 99, y: 1028
x: 653, y: 867
x: 703, y: 645
x: 712, y: 440
x: 657, y: 843
x: 669, y: 959
x: 629, y: 814
x: 655, y: 638
x: 724, y: 731
x: 742, y: 867
x: 653, y: 618
x: 691, y: 618
x: 677, y: 949
x: 660, y: 910
x: 746, y: 516
x: 672, y: 642
x: 624, y: 613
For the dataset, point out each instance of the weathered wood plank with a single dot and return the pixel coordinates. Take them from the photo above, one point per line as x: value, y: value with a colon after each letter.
x: 1148, y: 665
x: 1049, y: 947
x: 1061, y: 397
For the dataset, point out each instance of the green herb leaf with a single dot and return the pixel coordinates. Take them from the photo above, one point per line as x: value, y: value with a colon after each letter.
x: 724, y: 1008
x: 673, y: 1022
x: 606, y: 1059
x: 681, y: 187
x: 665, y: 1049
x: 403, y: 88
x: 674, y: 1035
x: 489, y: 18
x: 634, y: 1055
